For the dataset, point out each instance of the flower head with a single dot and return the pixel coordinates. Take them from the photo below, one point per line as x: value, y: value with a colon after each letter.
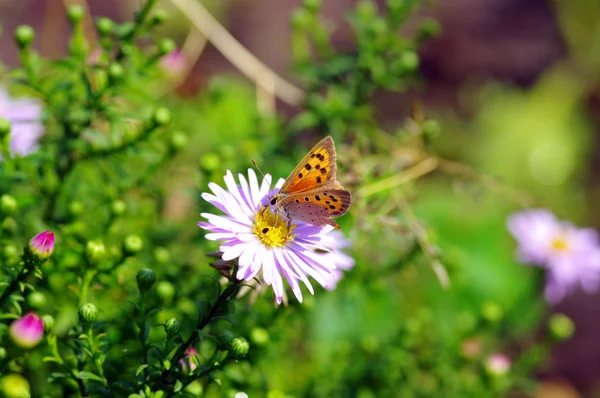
x: 27, y: 331
x: 570, y: 255
x: 188, y: 363
x: 24, y: 115
x: 497, y: 364
x: 42, y: 245
x: 174, y: 63
x: 268, y: 246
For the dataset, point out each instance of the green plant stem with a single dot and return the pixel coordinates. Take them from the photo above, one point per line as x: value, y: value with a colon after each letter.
x: 203, y: 321
x: 13, y: 286
x: 86, y: 281
x: 140, y: 18
x: 142, y: 336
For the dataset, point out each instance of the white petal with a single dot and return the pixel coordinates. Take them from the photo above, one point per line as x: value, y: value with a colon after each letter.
x: 254, y: 190
x: 233, y: 252
x: 226, y: 223
x: 287, y: 271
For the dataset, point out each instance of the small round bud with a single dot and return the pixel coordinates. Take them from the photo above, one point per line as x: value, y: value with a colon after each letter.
x: 160, y: 16
x: 118, y: 207
x: 165, y: 290
x: 312, y: 5
x: 166, y: 46
x: 162, y: 255
x: 10, y: 251
x: 162, y: 116
x: 36, y: 300
x: 431, y: 128
x: 105, y: 26
x: 172, y: 327
x: 210, y: 161
x: 75, y: 13
x: 48, y: 323
x: 4, y: 127
x: 9, y: 225
x: 24, y: 36
x: 409, y: 60
x: 145, y: 279
x: 240, y: 346
x: 133, y: 244
x: 14, y: 386
x: 301, y: 18
x: 178, y: 141
x: 88, y: 314
x: 561, y: 327
x: 126, y: 49
x: 75, y: 208
x: 8, y: 204
x: 429, y: 28
x: 41, y: 246
x: 116, y: 71
x: 259, y: 336
x: 2, y: 352
x: 491, y: 312
x: 95, y: 252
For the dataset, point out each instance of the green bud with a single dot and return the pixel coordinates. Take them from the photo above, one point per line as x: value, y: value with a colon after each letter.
x: 10, y: 251
x: 2, y: 352
x: 491, y: 312
x: 126, y: 49
x: 14, y: 386
x: 162, y: 116
x: 166, y: 46
x: 178, y: 141
x: 312, y: 5
x: 133, y: 244
x: 409, y: 60
x: 36, y: 300
x: 118, y: 207
x: 48, y: 323
x: 165, y: 290
x: 9, y: 225
x: 561, y: 327
x: 88, y: 314
x: 160, y: 16
x: 75, y: 208
x: 4, y: 127
x: 75, y: 13
x: 8, y: 204
x: 145, y: 279
x: 210, y: 161
x: 162, y: 255
x: 240, y: 346
x: 301, y: 18
x: 431, y: 129
x: 116, y: 71
x: 429, y: 28
x: 172, y: 327
x: 105, y: 26
x: 24, y: 35
x: 259, y: 336
x: 95, y: 252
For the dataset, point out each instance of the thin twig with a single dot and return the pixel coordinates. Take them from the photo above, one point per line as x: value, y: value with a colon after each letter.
x: 237, y: 54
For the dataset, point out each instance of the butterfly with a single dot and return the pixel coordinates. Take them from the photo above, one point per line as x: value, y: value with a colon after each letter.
x: 312, y: 193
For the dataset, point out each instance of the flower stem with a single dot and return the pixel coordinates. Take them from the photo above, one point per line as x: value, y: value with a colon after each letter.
x: 13, y: 286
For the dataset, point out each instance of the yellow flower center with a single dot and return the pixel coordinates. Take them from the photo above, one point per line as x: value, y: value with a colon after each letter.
x: 271, y: 229
x: 560, y: 244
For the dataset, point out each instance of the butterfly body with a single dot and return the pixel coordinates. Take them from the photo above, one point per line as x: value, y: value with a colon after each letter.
x: 311, y: 193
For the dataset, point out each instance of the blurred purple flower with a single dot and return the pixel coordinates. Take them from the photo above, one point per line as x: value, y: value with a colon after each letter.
x: 24, y: 115
x: 265, y: 244
x: 570, y: 255
x: 27, y: 331
x: 42, y: 245
x: 188, y: 363
x: 497, y: 364
x: 174, y: 63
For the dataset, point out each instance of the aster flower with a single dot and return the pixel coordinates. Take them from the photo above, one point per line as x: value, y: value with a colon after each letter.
x: 267, y: 246
x: 497, y: 364
x: 571, y: 255
x: 25, y: 129
x: 188, y: 363
x: 27, y: 331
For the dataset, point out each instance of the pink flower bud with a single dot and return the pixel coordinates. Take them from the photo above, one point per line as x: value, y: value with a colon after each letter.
x: 174, y: 63
x: 27, y: 331
x: 42, y: 244
x: 187, y: 363
x: 497, y: 364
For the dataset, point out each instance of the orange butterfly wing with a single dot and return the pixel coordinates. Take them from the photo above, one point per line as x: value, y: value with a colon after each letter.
x: 317, y: 169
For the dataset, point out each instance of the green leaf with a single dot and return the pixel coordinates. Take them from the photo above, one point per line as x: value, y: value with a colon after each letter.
x: 85, y: 375
x: 140, y: 369
x: 178, y: 386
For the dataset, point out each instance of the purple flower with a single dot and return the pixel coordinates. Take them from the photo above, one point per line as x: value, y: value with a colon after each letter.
x: 188, y: 363
x: 265, y: 244
x: 42, y: 245
x: 27, y: 331
x: 174, y: 63
x: 570, y: 255
x: 24, y: 116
